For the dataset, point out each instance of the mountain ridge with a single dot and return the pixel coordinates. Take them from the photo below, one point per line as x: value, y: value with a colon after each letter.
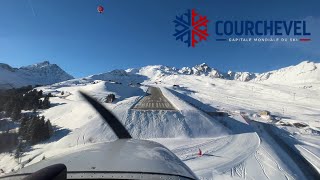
x: 42, y: 73
x: 45, y: 73
x: 305, y: 71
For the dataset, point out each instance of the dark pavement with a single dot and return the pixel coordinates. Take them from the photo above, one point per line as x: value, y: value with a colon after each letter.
x: 154, y: 100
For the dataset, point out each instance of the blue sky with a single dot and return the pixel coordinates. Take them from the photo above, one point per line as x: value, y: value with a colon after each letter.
x: 136, y: 33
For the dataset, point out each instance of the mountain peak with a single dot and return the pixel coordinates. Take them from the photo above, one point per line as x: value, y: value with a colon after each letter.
x: 42, y: 73
x: 44, y: 63
x: 202, y: 65
x: 306, y: 62
x: 6, y: 67
x: 38, y: 65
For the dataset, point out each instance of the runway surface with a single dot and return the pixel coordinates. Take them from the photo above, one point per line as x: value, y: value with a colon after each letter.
x: 154, y: 100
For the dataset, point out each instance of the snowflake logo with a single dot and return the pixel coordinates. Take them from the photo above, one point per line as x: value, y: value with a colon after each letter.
x: 191, y: 27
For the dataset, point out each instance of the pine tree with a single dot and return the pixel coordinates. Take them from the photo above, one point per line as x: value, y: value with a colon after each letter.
x: 50, y: 129
x: 46, y: 102
x: 40, y: 93
x: 18, y: 151
x: 31, y: 129
x: 16, y: 112
x: 40, y: 106
x: 39, y: 131
x: 23, y: 128
x: 8, y: 108
x: 43, y: 131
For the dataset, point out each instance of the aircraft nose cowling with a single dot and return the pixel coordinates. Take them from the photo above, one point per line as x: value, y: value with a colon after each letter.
x: 123, y: 156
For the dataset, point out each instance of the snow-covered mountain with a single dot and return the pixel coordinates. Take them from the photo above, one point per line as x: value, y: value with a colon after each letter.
x: 201, y: 69
x: 38, y: 74
x: 45, y: 73
x: 305, y: 71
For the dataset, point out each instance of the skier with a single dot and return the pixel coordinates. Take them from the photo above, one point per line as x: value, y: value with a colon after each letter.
x: 200, y: 152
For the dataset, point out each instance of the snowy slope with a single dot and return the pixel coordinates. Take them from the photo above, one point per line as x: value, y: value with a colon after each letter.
x: 78, y: 124
x: 38, y: 74
x: 235, y: 149
x: 291, y: 104
x: 305, y: 72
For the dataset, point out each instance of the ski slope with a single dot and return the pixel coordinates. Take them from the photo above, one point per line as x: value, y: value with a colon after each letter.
x: 291, y: 104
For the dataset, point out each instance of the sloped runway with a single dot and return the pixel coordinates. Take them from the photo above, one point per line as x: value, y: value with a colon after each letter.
x: 154, y: 100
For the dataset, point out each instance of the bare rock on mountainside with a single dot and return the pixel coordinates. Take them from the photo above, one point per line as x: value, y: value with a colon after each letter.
x: 38, y: 74
x: 110, y: 98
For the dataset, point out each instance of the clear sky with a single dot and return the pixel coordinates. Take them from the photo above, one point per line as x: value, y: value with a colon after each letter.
x: 135, y: 33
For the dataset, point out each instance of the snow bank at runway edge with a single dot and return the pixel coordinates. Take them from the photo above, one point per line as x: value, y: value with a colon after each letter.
x: 196, y: 118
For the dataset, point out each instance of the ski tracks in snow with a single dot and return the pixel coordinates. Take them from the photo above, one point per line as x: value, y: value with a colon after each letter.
x: 270, y: 157
x: 219, y: 154
x: 261, y: 164
x: 208, y: 147
x: 239, y: 171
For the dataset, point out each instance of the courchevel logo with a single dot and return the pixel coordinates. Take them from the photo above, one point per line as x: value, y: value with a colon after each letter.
x: 191, y: 28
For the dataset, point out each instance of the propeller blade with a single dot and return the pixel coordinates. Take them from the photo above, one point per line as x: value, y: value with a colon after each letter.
x: 109, y: 118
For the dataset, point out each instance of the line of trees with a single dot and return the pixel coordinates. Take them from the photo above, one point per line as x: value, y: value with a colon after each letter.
x: 35, y: 129
x: 14, y: 100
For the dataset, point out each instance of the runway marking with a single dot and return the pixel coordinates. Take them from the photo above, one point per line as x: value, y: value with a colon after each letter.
x: 154, y: 101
